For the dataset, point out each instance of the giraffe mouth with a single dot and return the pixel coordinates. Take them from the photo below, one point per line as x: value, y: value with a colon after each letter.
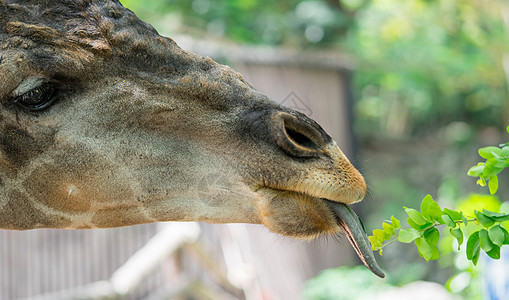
x: 351, y: 224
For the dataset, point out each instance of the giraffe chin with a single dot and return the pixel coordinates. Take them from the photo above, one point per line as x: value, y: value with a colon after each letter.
x: 306, y: 217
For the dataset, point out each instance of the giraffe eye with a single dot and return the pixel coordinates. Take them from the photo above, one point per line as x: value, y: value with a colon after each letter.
x: 38, y: 98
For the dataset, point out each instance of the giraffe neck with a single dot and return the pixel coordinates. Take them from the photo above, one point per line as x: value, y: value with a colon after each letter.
x: 82, y: 205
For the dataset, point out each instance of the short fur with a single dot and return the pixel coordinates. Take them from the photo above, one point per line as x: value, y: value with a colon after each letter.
x: 138, y: 127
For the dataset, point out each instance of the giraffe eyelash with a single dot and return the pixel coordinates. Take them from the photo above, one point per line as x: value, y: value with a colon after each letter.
x: 38, y: 98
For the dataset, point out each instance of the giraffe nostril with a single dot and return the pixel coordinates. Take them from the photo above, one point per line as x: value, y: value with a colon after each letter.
x: 297, y: 136
x: 300, y: 138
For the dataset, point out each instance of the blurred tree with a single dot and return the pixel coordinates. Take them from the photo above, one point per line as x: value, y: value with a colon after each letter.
x: 426, y: 64
x: 422, y: 64
x: 289, y: 22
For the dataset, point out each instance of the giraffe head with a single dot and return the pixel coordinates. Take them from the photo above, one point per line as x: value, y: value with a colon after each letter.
x: 104, y: 123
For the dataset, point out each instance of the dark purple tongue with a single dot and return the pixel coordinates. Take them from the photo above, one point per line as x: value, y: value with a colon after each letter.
x: 349, y: 222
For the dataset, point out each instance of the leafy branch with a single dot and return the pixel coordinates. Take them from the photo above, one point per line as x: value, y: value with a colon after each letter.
x: 497, y: 159
x: 489, y: 233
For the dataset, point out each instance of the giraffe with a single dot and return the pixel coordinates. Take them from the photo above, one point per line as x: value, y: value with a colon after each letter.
x: 105, y: 123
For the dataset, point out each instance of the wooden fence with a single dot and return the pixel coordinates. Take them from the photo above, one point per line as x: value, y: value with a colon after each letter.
x: 44, y: 261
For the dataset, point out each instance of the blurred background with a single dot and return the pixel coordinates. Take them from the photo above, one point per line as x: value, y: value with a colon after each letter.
x: 409, y: 89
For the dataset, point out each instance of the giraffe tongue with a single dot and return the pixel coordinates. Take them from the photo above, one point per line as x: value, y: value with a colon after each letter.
x: 350, y: 223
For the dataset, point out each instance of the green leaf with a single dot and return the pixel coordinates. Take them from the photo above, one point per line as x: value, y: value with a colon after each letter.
x: 490, y: 170
x: 419, y: 227
x: 430, y: 209
x: 424, y: 206
x: 464, y: 219
x: 455, y: 215
x: 484, y: 238
x: 389, y: 229
x: 432, y: 235
x: 506, y: 236
x: 505, y: 151
x: 507, y: 129
x: 416, y: 216
x: 413, y: 225
x: 427, y: 251
x: 476, y: 171
x: 423, y: 248
x: 458, y: 234
x: 408, y: 235
x: 475, y: 258
x: 435, y: 254
x: 473, y: 247
x: 483, y: 219
x: 395, y: 223
x: 498, y: 217
x: 487, y: 152
x: 377, y: 237
x: 497, y: 235
x: 500, y: 163
x: 449, y: 221
x: 493, y: 184
x: 375, y: 244
x: 494, y: 252
x: 381, y: 235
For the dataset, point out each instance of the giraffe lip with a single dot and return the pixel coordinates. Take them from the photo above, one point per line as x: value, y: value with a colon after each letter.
x: 351, y: 225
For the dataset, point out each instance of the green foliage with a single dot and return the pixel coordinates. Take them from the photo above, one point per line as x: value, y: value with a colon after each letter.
x: 497, y: 159
x: 421, y: 65
x: 344, y: 283
x: 404, y: 236
x: 473, y: 247
x: 289, y: 22
x: 488, y: 233
x: 418, y: 62
x: 424, y: 230
x: 458, y: 234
